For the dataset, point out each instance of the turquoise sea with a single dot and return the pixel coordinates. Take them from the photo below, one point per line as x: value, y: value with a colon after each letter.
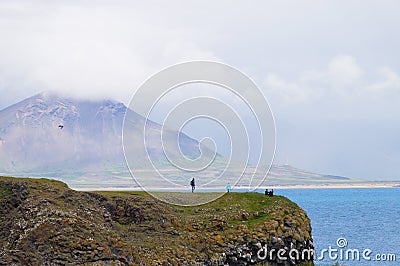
x: 362, y: 218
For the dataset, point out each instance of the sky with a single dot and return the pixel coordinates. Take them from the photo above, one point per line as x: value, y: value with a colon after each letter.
x: 329, y: 69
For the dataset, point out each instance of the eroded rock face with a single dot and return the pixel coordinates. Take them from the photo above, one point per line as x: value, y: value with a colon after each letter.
x: 43, y: 222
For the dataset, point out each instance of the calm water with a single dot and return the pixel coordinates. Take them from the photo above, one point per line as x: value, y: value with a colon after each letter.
x: 366, y: 218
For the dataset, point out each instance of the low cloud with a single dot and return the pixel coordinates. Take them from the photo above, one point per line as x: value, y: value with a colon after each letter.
x: 343, y: 79
x: 389, y: 85
x: 89, y: 51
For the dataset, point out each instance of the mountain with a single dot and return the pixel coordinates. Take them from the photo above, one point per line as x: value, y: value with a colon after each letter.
x: 80, y: 142
x: 76, y: 140
x: 46, y: 130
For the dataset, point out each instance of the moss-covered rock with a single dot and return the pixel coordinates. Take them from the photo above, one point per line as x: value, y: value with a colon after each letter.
x: 43, y: 222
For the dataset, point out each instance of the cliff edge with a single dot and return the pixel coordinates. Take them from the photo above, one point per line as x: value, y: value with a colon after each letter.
x: 43, y: 222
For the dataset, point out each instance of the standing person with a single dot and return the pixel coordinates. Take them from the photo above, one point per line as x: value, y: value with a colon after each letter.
x: 193, y: 184
x: 228, y: 187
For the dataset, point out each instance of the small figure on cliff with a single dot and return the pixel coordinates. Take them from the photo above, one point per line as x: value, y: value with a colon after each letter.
x: 271, y: 193
x: 193, y: 184
x: 228, y: 187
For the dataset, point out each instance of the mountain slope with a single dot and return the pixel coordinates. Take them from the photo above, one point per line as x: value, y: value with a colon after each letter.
x: 45, y: 131
x: 49, y: 135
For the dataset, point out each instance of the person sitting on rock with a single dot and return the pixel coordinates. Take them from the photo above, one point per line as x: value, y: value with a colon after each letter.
x: 271, y: 193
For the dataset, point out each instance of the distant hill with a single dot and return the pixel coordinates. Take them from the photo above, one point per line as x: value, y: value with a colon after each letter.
x: 282, y: 175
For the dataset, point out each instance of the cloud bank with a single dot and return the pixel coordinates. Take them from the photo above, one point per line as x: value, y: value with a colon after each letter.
x: 330, y: 71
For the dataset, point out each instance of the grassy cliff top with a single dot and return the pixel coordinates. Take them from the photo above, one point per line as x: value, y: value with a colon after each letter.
x: 43, y: 221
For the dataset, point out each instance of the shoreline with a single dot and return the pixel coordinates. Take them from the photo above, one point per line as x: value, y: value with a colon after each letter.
x: 222, y: 189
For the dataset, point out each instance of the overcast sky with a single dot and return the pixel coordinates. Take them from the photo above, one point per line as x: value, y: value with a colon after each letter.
x: 330, y: 69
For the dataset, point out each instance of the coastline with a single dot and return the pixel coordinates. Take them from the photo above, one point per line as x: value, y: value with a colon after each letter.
x: 389, y: 184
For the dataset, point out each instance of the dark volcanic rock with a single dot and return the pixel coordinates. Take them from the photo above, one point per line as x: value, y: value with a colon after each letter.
x: 43, y: 222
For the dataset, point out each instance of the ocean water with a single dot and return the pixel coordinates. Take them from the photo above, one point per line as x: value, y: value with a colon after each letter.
x: 361, y: 218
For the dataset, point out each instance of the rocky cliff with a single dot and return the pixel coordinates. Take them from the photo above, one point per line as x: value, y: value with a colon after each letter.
x: 43, y: 222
